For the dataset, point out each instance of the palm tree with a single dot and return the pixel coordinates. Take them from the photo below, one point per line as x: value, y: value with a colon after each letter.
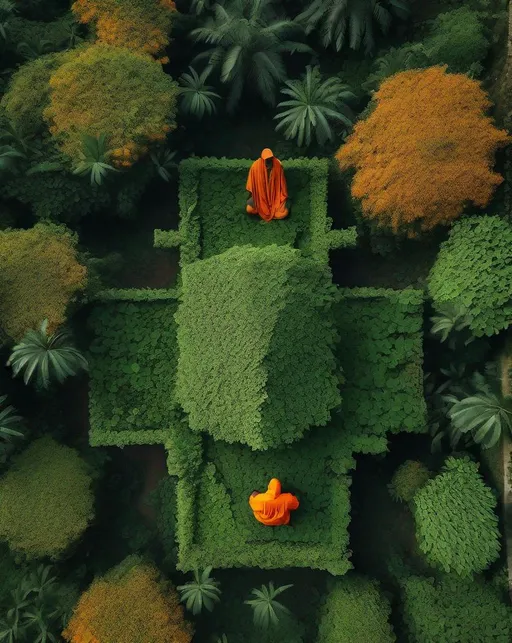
x: 10, y: 425
x: 163, y: 160
x: 197, y: 98
x: 312, y: 105
x: 46, y: 357
x: 450, y: 318
x: 352, y: 18
x: 483, y: 414
x: 266, y: 610
x: 247, y: 43
x: 201, y: 592
x: 94, y: 154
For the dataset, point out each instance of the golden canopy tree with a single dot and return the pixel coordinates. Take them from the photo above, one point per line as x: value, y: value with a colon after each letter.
x: 123, y: 94
x: 131, y: 603
x: 425, y: 151
x: 39, y: 275
x: 142, y: 25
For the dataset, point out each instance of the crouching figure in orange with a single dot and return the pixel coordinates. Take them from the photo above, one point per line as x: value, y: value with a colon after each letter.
x: 267, y: 184
x: 273, y: 507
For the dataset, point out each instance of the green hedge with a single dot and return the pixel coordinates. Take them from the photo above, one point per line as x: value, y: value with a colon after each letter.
x: 474, y: 269
x: 256, y: 339
x: 456, y: 523
x: 454, y: 610
x: 381, y: 352
x: 216, y: 525
x: 355, y: 612
x: 213, y: 218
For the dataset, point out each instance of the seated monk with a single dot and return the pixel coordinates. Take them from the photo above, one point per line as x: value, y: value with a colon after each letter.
x: 267, y: 184
x: 273, y: 507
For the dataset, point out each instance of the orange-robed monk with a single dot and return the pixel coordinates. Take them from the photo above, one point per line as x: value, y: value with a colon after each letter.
x: 267, y: 184
x: 273, y: 507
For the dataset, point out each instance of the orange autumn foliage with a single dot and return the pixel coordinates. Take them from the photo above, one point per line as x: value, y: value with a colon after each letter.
x: 129, y: 604
x: 142, y: 25
x: 425, y: 151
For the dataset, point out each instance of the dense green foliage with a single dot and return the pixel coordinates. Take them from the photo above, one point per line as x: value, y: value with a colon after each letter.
x: 133, y: 362
x: 456, y: 524
x: 355, y: 612
x: 47, y: 500
x: 454, y: 610
x: 256, y: 339
x: 408, y: 479
x: 474, y: 270
x: 381, y: 352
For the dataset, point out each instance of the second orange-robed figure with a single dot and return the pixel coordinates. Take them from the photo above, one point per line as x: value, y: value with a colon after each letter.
x: 267, y: 184
x: 273, y: 507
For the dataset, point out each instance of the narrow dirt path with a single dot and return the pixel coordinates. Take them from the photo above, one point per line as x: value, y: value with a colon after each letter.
x: 153, y: 460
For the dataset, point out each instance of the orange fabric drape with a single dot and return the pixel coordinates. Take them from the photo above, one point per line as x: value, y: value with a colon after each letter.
x: 268, y: 193
x: 273, y: 507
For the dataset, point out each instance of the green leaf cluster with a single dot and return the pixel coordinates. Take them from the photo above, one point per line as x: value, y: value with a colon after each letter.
x: 256, y: 339
x: 355, y: 612
x: 47, y: 500
x: 202, y: 591
x: 474, y: 270
x: 454, y: 610
x: 456, y: 523
x: 408, y: 479
x: 381, y: 352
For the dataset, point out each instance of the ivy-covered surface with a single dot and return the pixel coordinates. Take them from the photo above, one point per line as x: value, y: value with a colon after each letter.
x: 256, y: 340
x: 381, y: 352
x: 213, y: 216
x: 132, y: 361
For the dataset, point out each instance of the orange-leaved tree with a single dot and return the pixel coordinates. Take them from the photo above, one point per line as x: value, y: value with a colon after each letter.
x: 131, y: 603
x: 142, y: 25
x: 123, y: 94
x: 426, y: 150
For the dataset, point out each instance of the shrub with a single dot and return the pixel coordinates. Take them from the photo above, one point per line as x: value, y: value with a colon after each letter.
x: 458, y: 39
x: 355, y: 612
x: 255, y: 335
x: 424, y: 152
x: 408, y: 479
x: 47, y: 500
x: 456, y: 524
x: 474, y: 270
x: 130, y: 603
x: 454, y: 610
x: 39, y: 276
x: 381, y: 352
x: 136, y: 107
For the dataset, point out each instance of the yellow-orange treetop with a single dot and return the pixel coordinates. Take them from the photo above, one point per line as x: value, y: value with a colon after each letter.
x: 425, y: 151
x: 129, y: 605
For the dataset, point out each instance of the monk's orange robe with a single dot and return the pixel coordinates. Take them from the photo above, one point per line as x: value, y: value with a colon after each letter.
x: 273, y: 507
x: 269, y: 193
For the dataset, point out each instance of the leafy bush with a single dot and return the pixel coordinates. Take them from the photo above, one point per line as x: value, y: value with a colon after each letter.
x: 245, y: 380
x: 80, y: 103
x: 430, y: 133
x: 381, y: 352
x: 130, y: 603
x: 458, y: 39
x: 355, y: 612
x: 133, y: 360
x: 47, y: 500
x: 474, y: 270
x: 454, y: 610
x: 456, y: 523
x: 408, y: 479
x: 39, y: 276
x: 141, y: 25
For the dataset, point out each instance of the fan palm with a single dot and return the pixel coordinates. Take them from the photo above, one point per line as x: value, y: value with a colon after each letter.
x: 94, y: 154
x: 45, y: 357
x: 451, y: 318
x: 197, y: 98
x: 351, y: 18
x: 313, y: 104
x: 483, y: 414
x: 201, y: 592
x: 247, y: 43
x: 266, y: 610
x: 10, y: 425
x: 163, y: 160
